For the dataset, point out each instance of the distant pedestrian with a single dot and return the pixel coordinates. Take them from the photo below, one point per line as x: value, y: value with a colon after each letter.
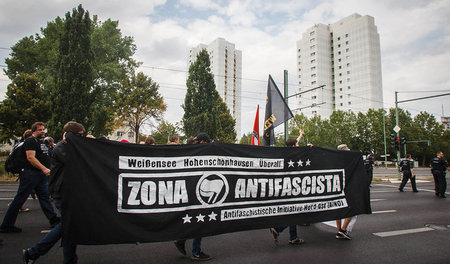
x: 174, y: 140
x: 438, y: 168
x: 406, y: 166
x: 149, y: 141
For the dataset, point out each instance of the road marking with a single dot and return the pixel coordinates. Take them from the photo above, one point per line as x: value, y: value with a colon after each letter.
x: 12, y: 198
x: 419, y: 189
x: 403, y: 232
x: 384, y: 212
x: 382, y: 191
x: 377, y: 200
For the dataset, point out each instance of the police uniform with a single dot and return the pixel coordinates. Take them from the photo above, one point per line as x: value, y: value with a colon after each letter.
x: 406, y: 166
x: 368, y: 164
x: 438, y: 167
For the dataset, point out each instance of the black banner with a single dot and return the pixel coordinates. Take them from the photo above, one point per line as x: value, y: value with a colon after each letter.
x: 125, y: 193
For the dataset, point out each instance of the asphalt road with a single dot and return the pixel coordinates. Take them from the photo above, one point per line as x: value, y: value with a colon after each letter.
x: 404, y: 228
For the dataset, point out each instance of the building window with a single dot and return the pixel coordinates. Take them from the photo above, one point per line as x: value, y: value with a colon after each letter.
x: 339, y: 45
x: 349, y: 103
x: 340, y: 82
x: 339, y: 52
x: 314, y: 97
x: 339, y: 38
x: 313, y: 53
x: 342, y: 104
x: 340, y: 67
x: 347, y: 49
x: 314, y: 112
x: 348, y: 79
x: 340, y: 74
x: 346, y: 43
x: 298, y: 50
x: 299, y: 76
x: 312, y: 61
x: 313, y: 68
x: 313, y: 82
x: 348, y: 72
x: 348, y: 64
x: 312, y: 40
x: 341, y: 95
x: 340, y: 89
x: 312, y: 33
x: 119, y: 134
x: 312, y: 47
x: 313, y: 75
x: 346, y: 35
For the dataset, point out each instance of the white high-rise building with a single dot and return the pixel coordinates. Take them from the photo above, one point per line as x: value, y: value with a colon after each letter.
x: 226, y: 65
x: 344, y: 57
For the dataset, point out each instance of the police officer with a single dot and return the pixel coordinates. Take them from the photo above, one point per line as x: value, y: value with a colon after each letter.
x: 406, y: 166
x: 368, y: 164
x: 438, y: 166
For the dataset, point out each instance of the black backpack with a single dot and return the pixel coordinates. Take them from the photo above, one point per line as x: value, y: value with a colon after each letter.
x: 15, y: 161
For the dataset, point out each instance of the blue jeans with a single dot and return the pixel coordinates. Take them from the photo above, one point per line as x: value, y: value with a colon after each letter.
x: 292, y: 231
x: 50, y: 239
x: 30, y: 180
x: 196, y: 245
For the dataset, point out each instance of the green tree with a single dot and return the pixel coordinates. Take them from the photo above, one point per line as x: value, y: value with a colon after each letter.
x: 204, y: 109
x: 137, y: 102
x: 246, y: 139
x: 111, y: 62
x: 25, y: 104
x: 72, y: 94
x: 426, y: 127
x: 164, y: 131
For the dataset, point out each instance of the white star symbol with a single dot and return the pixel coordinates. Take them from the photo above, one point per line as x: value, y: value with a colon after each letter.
x: 186, y: 219
x: 291, y: 163
x: 201, y: 218
x: 212, y: 216
x: 300, y: 163
x: 308, y: 162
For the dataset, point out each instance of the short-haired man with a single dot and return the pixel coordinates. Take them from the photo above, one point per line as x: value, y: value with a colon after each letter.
x: 174, y: 140
x: 32, y: 177
x: 55, y: 186
x: 438, y: 168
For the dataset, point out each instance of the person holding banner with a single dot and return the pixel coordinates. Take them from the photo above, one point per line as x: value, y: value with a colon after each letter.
x: 342, y: 229
x: 55, y: 187
x: 197, y: 253
x: 293, y: 237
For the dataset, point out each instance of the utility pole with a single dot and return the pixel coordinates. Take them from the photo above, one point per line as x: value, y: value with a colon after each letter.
x: 384, y: 135
x: 286, y: 91
x: 398, y: 135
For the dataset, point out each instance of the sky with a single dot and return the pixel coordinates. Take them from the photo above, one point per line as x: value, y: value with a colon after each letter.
x: 414, y: 40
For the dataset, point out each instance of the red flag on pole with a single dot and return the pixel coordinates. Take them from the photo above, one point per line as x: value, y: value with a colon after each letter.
x: 255, y: 133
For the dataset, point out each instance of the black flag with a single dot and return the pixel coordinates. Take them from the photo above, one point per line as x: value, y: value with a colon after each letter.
x: 277, y: 112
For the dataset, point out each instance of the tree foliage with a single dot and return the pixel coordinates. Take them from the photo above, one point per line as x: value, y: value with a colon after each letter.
x: 365, y: 132
x: 25, y: 104
x: 164, y: 131
x: 109, y: 62
x: 138, y: 102
x: 204, y: 109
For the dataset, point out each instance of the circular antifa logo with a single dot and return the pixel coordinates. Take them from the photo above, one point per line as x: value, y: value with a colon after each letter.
x: 212, y: 188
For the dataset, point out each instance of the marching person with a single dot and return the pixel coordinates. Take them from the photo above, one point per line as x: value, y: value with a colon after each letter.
x: 342, y: 228
x: 406, y: 166
x: 197, y: 253
x: 32, y: 177
x: 55, y: 187
x: 293, y: 237
x: 438, y: 168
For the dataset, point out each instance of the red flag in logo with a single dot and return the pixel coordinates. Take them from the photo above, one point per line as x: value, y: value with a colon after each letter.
x: 255, y: 133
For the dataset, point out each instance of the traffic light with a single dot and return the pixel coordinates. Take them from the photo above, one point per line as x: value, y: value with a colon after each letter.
x: 402, y: 140
x: 397, y: 143
x: 392, y: 140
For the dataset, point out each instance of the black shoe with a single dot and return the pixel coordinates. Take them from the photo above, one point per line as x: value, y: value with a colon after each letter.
x: 201, y: 256
x: 26, y: 257
x: 10, y: 229
x: 275, y: 235
x: 339, y: 235
x: 345, y: 234
x: 181, y: 247
x: 442, y: 196
x: 415, y: 191
x: 297, y: 241
x: 54, y: 221
x: 401, y: 190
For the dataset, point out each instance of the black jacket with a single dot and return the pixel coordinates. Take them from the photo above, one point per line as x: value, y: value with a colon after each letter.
x: 56, y: 177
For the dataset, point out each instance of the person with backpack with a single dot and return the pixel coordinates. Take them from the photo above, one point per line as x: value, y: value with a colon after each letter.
x: 33, y: 176
x: 406, y: 166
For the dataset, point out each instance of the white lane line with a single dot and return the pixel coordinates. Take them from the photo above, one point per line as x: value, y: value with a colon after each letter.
x: 377, y: 200
x: 12, y: 198
x: 390, y: 191
x: 384, y: 212
x: 403, y: 232
x: 419, y: 189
